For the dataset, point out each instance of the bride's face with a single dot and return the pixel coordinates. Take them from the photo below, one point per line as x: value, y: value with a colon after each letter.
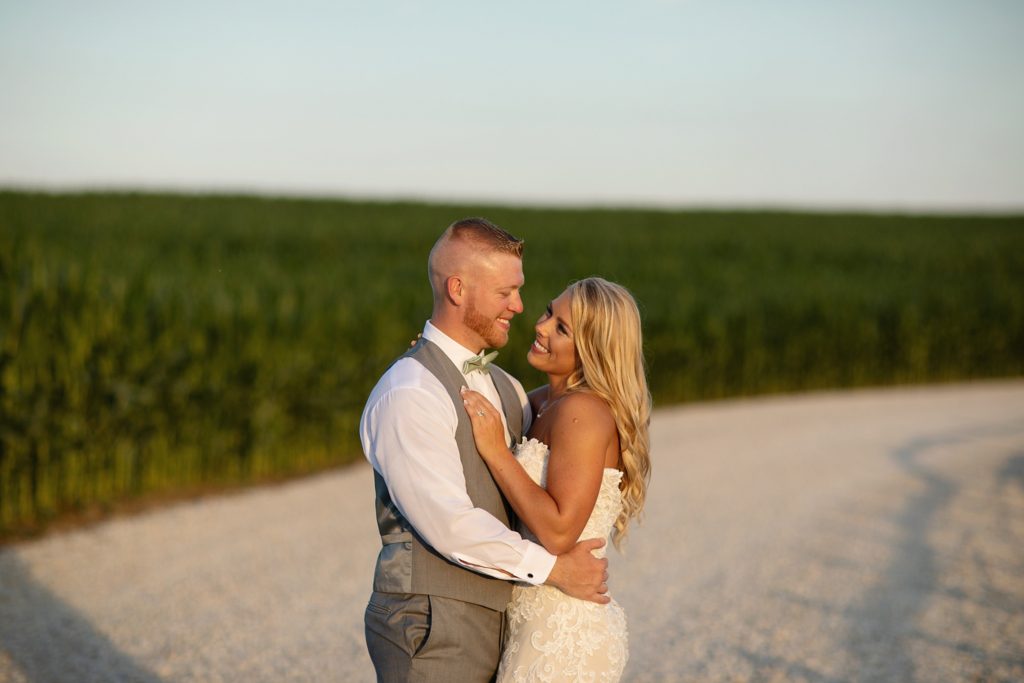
x: 554, y: 351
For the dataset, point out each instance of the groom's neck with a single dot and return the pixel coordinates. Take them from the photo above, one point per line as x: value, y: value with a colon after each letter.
x: 458, y: 332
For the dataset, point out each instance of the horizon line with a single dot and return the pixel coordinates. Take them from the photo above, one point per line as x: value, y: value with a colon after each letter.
x: 521, y: 203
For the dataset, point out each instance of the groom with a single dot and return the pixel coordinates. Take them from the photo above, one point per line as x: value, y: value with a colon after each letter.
x: 443, y: 574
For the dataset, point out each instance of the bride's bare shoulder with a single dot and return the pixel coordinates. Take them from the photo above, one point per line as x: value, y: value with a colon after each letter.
x: 583, y: 410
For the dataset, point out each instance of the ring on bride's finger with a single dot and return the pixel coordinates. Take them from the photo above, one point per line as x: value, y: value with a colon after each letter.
x: 480, y: 413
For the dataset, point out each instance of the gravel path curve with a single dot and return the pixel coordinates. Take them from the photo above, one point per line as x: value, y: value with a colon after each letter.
x: 862, y: 536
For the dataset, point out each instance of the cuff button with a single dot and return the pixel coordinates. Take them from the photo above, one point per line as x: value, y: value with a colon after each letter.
x: 529, y: 576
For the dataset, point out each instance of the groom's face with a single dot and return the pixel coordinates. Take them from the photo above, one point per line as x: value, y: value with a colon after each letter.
x: 492, y: 298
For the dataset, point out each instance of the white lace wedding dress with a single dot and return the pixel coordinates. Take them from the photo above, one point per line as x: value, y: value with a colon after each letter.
x: 551, y: 636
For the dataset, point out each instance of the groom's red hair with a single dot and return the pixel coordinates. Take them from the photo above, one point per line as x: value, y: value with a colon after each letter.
x: 461, y: 243
x: 484, y: 234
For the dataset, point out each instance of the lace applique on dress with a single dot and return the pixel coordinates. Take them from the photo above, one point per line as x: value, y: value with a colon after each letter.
x: 551, y: 636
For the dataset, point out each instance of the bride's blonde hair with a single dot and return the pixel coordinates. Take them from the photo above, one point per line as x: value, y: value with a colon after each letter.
x: 609, y: 348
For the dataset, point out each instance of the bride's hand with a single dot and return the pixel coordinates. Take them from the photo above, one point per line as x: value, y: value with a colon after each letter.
x: 488, y: 430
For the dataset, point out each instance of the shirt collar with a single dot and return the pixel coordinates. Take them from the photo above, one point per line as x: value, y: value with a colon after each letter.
x: 456, y: 352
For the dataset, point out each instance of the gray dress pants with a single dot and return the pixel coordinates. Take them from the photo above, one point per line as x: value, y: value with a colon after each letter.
x: 432, y: 639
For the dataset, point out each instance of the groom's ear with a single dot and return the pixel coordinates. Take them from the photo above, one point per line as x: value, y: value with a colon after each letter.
x: 455, y: 289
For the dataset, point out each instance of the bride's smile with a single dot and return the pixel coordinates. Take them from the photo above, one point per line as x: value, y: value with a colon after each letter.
x: 553, y: 351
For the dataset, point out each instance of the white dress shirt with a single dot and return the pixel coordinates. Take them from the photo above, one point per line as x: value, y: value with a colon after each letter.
x: 408, y: 435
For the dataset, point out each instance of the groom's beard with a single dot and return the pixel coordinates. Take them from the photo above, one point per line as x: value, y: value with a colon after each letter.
x: 494, y: 337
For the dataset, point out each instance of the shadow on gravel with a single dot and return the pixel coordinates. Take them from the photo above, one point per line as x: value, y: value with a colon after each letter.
x: 49, y: 641
x: 887, y: 616
x: 882, y: 627
x: 768, y: 667
x: 1013, y: 471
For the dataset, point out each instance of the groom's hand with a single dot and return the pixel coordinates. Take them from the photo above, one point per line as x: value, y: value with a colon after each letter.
x: 579, y: 574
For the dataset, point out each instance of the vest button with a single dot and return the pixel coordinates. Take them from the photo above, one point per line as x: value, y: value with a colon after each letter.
x: 408, y: 545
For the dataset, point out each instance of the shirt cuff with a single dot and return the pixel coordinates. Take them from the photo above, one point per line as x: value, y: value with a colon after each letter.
x: 536, y: 565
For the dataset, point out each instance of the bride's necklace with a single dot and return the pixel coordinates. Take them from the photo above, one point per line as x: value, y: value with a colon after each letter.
x: 547, y: 404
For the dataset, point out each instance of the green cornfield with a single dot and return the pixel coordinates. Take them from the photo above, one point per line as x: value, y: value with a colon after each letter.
x: 159, y: 345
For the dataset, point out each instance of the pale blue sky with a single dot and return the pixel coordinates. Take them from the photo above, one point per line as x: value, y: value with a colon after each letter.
x: 874, y: 104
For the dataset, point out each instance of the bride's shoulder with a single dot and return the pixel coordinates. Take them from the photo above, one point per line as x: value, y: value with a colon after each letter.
x: 585, y: 410
x: 586, y: 400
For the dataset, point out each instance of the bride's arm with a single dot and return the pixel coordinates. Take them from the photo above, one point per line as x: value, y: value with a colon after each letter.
x: 580, y: 435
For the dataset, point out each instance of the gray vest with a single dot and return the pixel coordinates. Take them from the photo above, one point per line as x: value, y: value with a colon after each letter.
x: 406, y: 563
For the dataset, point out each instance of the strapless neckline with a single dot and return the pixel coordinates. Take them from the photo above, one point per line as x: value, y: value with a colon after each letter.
x: 531, y: 440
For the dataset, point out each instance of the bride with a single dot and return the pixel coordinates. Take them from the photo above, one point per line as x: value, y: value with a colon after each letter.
x: 582, y: 473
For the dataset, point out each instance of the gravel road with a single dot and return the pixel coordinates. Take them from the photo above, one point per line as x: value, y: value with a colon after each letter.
x: 862, y: 536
